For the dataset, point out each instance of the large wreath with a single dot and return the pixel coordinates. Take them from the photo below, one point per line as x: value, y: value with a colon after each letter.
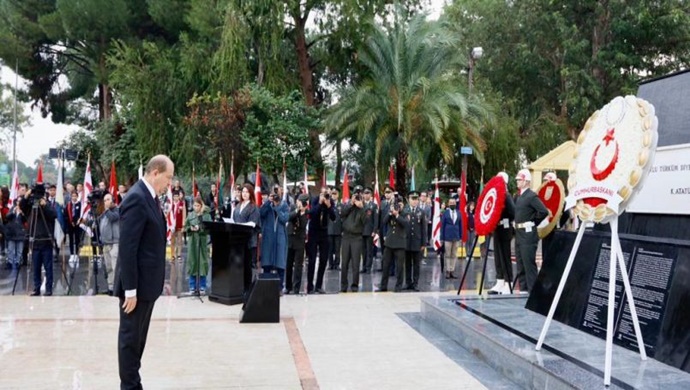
x: 490, y: 206
x: 614, y: 153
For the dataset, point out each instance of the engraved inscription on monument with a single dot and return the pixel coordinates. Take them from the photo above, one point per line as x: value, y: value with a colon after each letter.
x: 650, y: 282
x: 594, y: 319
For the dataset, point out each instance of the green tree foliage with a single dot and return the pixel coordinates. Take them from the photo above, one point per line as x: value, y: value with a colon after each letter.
x: 252, y: 126
x: 555, y: 63
x: 411, y: 101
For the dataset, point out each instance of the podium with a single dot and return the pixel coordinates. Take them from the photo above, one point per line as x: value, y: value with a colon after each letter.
x: 229, y: 245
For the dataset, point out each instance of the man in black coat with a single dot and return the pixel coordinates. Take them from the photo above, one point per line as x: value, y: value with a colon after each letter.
x: 529, y: 212
x: 320, y: 212
x: 140, y: 269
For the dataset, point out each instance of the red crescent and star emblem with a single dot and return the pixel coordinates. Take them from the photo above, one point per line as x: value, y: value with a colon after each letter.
x: 602, y: 174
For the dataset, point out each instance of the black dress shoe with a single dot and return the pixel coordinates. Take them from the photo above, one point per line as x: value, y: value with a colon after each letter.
x: 452, y: 276
x: 35, y: 293
x: 309, y: 292
x: 48, y: 293
x: 343, y: 290
x: 320, y: 291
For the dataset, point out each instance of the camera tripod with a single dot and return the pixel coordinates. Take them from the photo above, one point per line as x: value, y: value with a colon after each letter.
x: 96, y: 251
x: 36, y: 212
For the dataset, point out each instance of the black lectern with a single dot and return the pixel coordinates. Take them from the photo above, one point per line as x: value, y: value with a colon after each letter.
x: 229, y: 243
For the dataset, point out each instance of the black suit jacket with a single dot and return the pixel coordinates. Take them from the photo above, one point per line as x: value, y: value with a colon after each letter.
x: 141, y: 257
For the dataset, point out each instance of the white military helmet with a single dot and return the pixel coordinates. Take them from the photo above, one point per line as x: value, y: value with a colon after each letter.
x: 524, y: 175
x: 504, y: 175
x: 550, y: 176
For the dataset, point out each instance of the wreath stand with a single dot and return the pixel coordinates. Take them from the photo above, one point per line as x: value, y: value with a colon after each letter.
x: 616, y: 258
x: 485, y: 258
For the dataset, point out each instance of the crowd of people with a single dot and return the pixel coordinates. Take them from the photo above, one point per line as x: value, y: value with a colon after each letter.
x: 289, y: 230
x: 327, y: 233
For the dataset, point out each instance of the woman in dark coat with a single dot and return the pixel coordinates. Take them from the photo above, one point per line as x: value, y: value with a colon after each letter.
x: 246, y: 212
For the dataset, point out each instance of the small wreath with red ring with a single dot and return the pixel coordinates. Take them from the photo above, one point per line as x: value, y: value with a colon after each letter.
x: 552, y: 194
x: 490, y: 206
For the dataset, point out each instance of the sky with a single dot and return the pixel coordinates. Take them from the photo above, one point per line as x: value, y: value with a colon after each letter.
x: 36, y: 138
x: 42, y: 134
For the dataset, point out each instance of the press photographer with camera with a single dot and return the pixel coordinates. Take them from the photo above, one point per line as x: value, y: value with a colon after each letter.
x: 274, y: 216
x: 41, y: 227
x: 109, y: 227
x: 317, y: 243
x: 354, y: 217
x: 297, y: 240
x: 395, y: 242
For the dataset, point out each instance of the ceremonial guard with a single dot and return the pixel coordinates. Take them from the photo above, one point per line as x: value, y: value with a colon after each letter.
x: 502, y: 236
x: 371, y: 224
x: 529, y: 212
x: 416, y: 240
x: 395, y: 243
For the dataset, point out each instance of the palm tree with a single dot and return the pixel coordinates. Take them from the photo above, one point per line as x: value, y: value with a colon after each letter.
x: 412, y: 99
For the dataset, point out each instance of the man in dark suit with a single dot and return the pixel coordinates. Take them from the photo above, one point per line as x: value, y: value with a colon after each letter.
x: 416, y: 240
x: 140, y: 270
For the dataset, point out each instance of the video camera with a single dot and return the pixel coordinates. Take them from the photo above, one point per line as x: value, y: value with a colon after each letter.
x: 275, y: 196
x: 95, y: 198
x: 38, y: 191
x: 358, y: 193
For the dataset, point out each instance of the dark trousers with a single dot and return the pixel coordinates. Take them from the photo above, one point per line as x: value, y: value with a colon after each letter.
x: 352, y: 253
x: 131, y: 340
x: 526, y: 253
x: 298, y: 267
x: 43, y: 255
x: 316, y: 245
x: 388, y: 255
x: 368, y: 249
x: 288, y: 268
x: 74, y: 238
x: 334, y: 244
x: 412, y: 260
x: 504, y: 267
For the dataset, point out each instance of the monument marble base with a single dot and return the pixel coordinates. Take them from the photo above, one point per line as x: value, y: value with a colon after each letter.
x: 502, y: 333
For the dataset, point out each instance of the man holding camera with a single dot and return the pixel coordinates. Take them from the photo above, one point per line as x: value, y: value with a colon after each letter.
x: 274, y: 215
x: 395, y: 243
x: 354, y: 216
x: 371, y: 227
x: 335, y: 232
x: 41, y: 226
x: 317, y: 243
x: 416, y: 240
x: 297, y: 230
x: 109, y: 226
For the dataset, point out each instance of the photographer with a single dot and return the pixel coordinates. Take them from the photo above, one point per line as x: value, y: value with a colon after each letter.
x: 395, y: 243
x: 109, y: 227
x: 353, y: 216
x: 41, y: 226
x: 320, y: 212
x: 274, y: 216
x: 297, y: 240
